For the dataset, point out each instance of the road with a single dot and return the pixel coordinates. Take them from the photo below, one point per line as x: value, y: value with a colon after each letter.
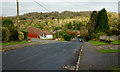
x: 51, y: 56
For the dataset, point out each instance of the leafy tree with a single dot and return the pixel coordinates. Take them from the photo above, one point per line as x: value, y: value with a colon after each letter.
x: 93, y: 21
x: 9, y: 24
x: 41, y: 26
x: 70, y: 25
x: 102, y: 21
x: 57, y: 28
x: 5, y: 34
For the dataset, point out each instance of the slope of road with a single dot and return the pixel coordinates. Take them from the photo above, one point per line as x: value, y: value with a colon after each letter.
x: 51, y: 56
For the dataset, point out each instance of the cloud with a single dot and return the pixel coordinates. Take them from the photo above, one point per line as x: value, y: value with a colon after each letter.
x: 9, y: 8
x: 62, y: 0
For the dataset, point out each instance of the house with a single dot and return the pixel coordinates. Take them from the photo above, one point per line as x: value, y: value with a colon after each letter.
x: 46, y: 35
x: 34, y: 32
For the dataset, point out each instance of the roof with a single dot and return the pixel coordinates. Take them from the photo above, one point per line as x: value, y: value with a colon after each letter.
x: 46, y: 32
x: 35, y: 30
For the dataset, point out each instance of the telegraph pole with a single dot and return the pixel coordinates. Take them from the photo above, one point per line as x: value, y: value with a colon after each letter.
x: 18, y: 15
x: 58, y: 26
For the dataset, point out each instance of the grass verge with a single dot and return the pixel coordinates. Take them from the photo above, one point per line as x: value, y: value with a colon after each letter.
x: 116, y: 42
x: 14, y: 43
x: 108, y: 51
x: 115, y: 69
x: 97, y: 42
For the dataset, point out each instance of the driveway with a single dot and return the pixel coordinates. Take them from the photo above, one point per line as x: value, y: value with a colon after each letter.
x: 50, y: 56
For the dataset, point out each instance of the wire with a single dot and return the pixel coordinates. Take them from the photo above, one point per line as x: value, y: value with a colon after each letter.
x: 40, y: 5
x: 78, y: 5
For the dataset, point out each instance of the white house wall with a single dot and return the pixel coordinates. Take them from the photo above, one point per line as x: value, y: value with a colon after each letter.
x: 46, y: 37
x: 49, y: 36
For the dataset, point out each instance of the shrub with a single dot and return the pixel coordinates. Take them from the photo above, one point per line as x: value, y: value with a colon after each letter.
x: 16, y: 35
x: 9, y: 24
x: 112, y: 40
x: 25, y: 33
x: 5, y: 34
x: 86, y: 36
x: 115, y: 32
x: 21, y: 36
x: 67, y: 37
x: 72, y: 34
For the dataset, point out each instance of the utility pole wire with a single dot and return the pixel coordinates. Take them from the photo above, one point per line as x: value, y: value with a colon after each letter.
x: 49, y: 11
x: 40, y: 5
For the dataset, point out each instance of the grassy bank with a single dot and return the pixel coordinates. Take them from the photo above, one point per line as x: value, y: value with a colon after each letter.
x: 14, y: 43
x: 108, y: 51
x: 97, y: 42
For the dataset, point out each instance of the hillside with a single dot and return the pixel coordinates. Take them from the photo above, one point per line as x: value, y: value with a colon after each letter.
x: 47, y: 20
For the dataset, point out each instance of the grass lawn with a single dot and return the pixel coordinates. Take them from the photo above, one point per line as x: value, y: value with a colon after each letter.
x: 116, y: 42
x: 14, y: 43
x: 115, y: 69
x: 97, y: 42
x: 108, y: 51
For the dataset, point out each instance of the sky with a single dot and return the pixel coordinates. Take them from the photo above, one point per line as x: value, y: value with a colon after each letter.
x: 8, y: 7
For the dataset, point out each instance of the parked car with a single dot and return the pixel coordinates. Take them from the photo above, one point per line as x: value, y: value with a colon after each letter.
x: 80, y: 40
x: 28, y: 39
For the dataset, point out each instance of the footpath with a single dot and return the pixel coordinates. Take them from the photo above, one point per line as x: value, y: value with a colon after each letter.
x: 91, y: 59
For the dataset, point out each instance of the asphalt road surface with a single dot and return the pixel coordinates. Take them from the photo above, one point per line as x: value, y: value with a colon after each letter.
x: 51, y: 56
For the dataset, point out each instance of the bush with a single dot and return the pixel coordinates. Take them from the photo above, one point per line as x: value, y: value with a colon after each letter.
x: 21, y: 36
x: 86, y: 36
x: 16, y: 36
x: 115, y: 32
x: 25, y: 33
x: 5, y: 34
x: 67, y: 37
x: 9, y: 24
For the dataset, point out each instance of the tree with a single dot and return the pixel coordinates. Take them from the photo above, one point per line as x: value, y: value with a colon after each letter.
x: 93, y: 21
x: 9, y: 24
x: 102, y: 21
x: 70, y: 25
x: 5, y: 34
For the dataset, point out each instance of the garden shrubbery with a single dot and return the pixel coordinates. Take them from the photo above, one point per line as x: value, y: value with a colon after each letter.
x: 21, y: 35
x: 5, y: 34
x: 10, y: 33
x: 25, y: 32
x: 86, y: 36
x: 67, y: 37
x: 15, y: 37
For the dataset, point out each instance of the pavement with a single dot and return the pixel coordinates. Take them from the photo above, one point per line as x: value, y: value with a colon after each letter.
x: 91, y: 59
x: 51, y: 55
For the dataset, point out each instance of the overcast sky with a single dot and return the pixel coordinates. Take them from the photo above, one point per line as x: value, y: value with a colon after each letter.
x: 9, y: 6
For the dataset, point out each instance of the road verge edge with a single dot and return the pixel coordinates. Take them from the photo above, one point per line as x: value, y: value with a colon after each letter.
x: 79, y: 57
